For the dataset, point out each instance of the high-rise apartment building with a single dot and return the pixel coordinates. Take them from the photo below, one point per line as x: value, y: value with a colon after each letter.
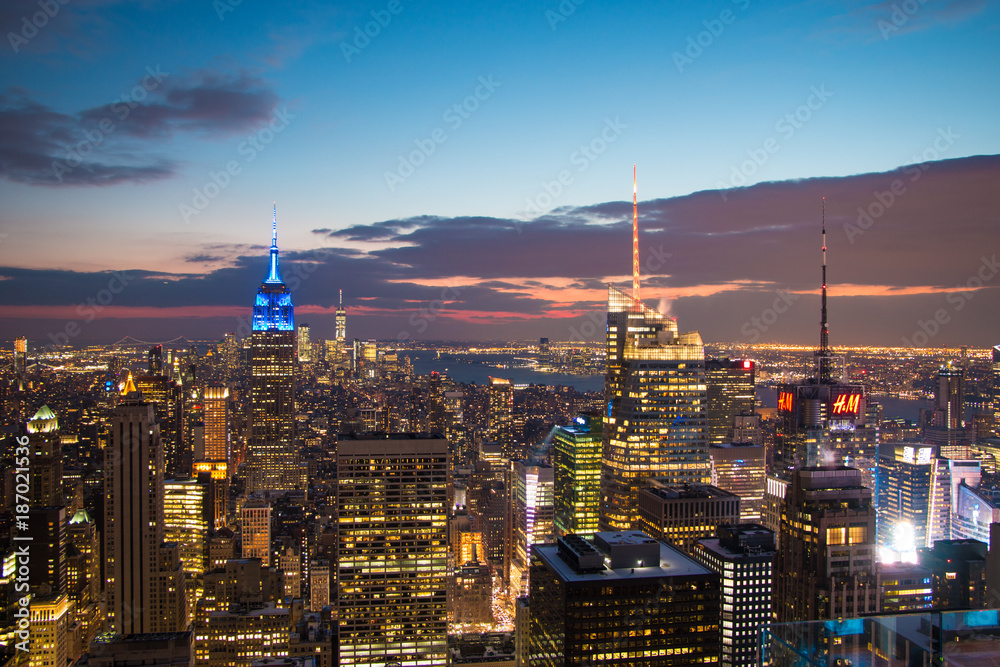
x: 826, y: 564
x: 392, y: 603
x: 271, y: 446
x: 656, y: 407
x: 576, y: 458
x: 729, y: 393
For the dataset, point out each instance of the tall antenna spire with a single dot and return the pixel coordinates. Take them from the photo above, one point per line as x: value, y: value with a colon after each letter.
x: 274, y: 226
x: 824, y: 355
x: 635, y: 239
x: 341, y: 298
x: 272, y: 274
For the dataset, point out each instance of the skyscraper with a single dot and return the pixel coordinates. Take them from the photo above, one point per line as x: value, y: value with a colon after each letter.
x: 216, y: 425
x: 914, y: 497
x: 393, y: 579
x: 826, y: 564
x: 304, y: 344
x: 740, y: 469
x: 995, y: 391
x: 576, y: 458
x: 142, y: 595
x: 271, y: 452
x: 730, y: 393
x: 340, y: 330
x: 532, y: 518
x: 256, y: 530
x: 654, y: 389
x: 501, y: 426
x: 20, y: 355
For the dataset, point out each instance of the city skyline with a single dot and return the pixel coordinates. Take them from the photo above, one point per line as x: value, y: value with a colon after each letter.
x: 482, y: 197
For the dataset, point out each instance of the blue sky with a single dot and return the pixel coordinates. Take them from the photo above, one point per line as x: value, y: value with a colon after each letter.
x: 873, y: 86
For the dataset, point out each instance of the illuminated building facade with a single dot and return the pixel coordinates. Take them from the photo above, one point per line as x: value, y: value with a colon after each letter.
x: 256, y: 531
x: 304, y: 344
x: 20, y: 356
x: 826, y: 564
x: 576, y: 458
x: 50, y: 619
x: 739, y: 468
x: 682, y: 515
x: 501, y: 414
x: 995, y: 390
x: 340, y: 322
x: 622, y: 599
x: 167, y: 397
x: 271, y: 446
x: 532, y: 518
x: 904, y: 587
x: 216, y: 401
x: 392, y: 603
x: 729, y: 393
x: 743, y: 555
x: 914, y: 498
x: 240, y: 638
x: 977, y: 508
x: 187, y: 515
x: 656, y: 407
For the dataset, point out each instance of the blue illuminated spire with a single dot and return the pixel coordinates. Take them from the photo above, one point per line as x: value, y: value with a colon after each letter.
x: 273, y: 277
x: 272, y: 309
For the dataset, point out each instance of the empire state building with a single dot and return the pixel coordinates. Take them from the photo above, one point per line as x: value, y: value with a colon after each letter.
x: 271, y: 447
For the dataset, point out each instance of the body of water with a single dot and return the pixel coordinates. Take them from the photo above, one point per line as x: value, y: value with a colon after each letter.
x: 478, y: 368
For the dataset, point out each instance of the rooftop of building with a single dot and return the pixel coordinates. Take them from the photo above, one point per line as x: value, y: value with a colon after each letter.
x: 666, y: 491
x: 382, y: 435
x: 671, y: 562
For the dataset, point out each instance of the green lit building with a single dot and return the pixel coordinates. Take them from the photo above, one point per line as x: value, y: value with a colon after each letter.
x: 576, y: 457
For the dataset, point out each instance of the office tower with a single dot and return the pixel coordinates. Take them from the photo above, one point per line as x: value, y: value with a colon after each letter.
x: 904, y: 587
x: 958, y: 573
x: 544, y: 354
x: 188, y: 517
x: 46, y: 459
x: 256, y: 531
x: 270, y: 449
x: 304, y: 345
x: 50, y: 619
x: 743, y: 555
x: 141, y: 595
x: 532, y: 518
x: 154, y: 360
x: 746, y: 428
x: 826, y: 563
x: 20, y: 356
x: 84, y: 565
x: 501, y: 415
x: 576, y: 458
x: 655, y: 391
x: 167, y: 397
x: 914, y: 498
x: 340, y: 322
x: 624, y: 599
x: 729, y: 386
x: 739, y: 468
x: 683, y: 514
x: 995, y: 390
x: 47, y: 572
x: 216, y: 416
x: 823, y: 420
x: 949, y: 403
x: 392, y: 581
x: 977, y: 509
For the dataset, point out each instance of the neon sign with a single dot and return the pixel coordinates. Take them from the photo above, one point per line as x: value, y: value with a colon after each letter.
x: 785, y: 400
x: 846, y: 404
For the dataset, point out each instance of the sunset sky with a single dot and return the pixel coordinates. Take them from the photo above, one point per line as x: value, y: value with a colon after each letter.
x: 464, y: 171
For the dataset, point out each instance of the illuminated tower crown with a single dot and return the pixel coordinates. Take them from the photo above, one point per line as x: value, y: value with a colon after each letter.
x: 272, y: 310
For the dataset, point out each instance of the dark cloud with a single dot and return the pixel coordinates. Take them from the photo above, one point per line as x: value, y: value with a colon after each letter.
x: 111, y: 144
x: 903, y: 245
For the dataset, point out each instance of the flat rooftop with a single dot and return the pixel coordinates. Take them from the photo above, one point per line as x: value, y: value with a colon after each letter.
x: 673, y: 563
